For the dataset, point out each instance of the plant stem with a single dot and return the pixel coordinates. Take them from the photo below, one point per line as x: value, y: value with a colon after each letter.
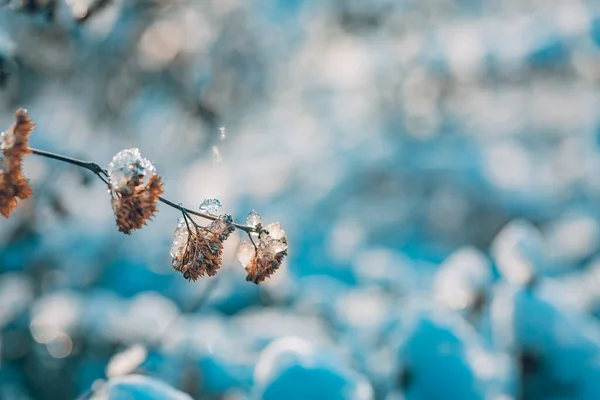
x: 103, y: 175
x: 95, y: 168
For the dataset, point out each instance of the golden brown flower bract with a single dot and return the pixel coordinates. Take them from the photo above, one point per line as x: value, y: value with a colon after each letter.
x: 265, y: 262
x: 132, y: 210
x: 204, y: 247
x: 15, y: 145
x: 262, y: 266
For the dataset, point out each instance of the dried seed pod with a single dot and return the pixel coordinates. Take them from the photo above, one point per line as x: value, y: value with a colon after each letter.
x: 264, y: 259
x: 14, y: 145
x: 197, y: 250
x: 134, y: 188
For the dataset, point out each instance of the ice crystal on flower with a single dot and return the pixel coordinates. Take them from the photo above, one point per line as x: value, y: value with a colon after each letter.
x: 253, y: 219
x: 180, y: 238
x: 276, y: 232
x: 210, y: 206
x: 245, y: 253
x: 127, y: 166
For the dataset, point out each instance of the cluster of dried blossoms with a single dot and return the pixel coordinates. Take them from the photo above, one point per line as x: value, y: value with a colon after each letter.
x: 196, y: 250
x: 135, y: 188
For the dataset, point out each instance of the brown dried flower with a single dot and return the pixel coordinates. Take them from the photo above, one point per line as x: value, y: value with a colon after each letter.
x: 15, y: 141
x: 264, y: 259
x: 197, y: 250
x: 134, y: 188
x: 14, y: 145
x: 12, y: 186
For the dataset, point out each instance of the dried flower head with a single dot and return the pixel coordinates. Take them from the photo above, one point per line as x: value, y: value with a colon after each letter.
x: 15, y: 141
x: 197, y: 250
x: 134, y: 188
x: 263, y: 259
x: 14, y: 145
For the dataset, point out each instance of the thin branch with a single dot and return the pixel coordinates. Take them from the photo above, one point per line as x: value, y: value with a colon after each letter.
x: 203, y: 215
x: 90, y: 166
x: 103, y: 174
x: 186, y: 216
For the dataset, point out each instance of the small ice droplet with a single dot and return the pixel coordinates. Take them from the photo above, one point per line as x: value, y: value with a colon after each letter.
x: 245, y: 253
x: 253, y: 219
x: 210, y: 206
x: 223, y: 132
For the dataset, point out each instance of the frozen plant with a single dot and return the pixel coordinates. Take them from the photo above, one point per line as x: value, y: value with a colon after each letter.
x: 135, y: 188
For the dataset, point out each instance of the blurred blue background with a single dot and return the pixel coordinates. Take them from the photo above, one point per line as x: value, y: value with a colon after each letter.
x: 434, y: 164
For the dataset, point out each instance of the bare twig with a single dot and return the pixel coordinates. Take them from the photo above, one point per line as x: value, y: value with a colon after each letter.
x: 103, y: 175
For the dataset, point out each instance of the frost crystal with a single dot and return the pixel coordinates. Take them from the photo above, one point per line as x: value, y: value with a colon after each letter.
x: 276, y: 232
x: 210, y: 206
x: 245, y: 253
x: 273, y: 246
x: 222, y: 227
x: 180, y: 238
x: 127, y: 166
x: 253, y: 219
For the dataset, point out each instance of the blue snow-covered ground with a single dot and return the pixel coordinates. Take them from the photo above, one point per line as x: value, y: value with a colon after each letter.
x: 434, y: 165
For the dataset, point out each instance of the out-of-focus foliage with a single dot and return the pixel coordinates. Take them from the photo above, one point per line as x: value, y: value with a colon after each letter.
x: 434, y: 164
